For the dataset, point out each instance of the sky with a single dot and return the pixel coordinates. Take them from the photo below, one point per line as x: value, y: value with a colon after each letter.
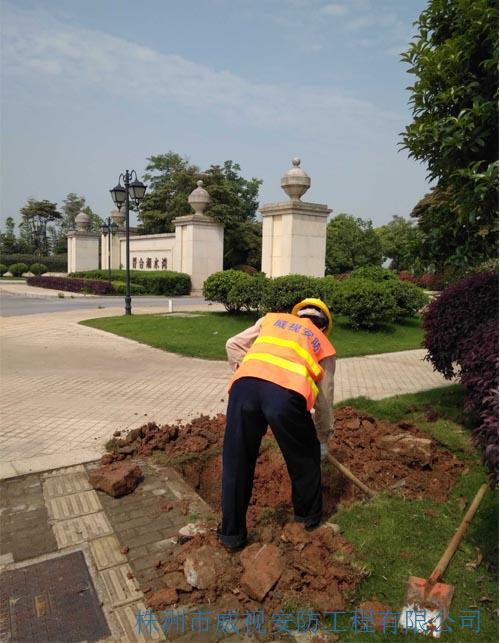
x: 92, y: 88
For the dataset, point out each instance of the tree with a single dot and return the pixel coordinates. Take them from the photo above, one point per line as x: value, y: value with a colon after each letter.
x: 455, y: 126
x: 233, y: 202
x: 351, y: 243
x: 8, y: 242
x: 400, y: 241
x: 36, y: 215
x: 71, y: 206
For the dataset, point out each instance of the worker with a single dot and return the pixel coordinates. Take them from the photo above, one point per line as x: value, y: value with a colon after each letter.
x: 283, y: 367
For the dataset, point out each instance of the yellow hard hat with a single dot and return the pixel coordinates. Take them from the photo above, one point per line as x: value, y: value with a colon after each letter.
x: 315, y: 303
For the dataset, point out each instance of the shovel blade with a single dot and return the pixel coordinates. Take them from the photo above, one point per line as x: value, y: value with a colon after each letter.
x: 435, y: 596
x: 426, y: 606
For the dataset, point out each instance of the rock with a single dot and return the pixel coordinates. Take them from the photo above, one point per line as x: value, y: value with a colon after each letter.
x: 162, y: 598
x: 203, y: 567
x: 177, y: 581
x: 373, y: 612
x: 336, y: 529
x: 329, y: 600
x: 311, y: 558
x: 294, y: 532
x: 409, y: 447
x: 191, y: 529
x: 117, y: 479
x: 263, y: 565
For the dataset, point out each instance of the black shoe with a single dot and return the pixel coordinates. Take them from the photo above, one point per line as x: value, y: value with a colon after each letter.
x: 312, y: 526
x: 233, y: 548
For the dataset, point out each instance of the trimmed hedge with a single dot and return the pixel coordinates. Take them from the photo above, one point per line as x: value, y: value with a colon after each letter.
x: 462, y: 327
x: 3, y: 268
x: 17, y: 269
x: 372, y: 273
x: 366, y: 304
x: 135, y: 289
x: 282, y: 293
x: 54, y: 263
x: 455, y: 315
x: 38, y: 268
x: 410, y: 299
x: 218, y: 286
x: 94, y: 287
x: 154, y: 282
x: 249, y: 294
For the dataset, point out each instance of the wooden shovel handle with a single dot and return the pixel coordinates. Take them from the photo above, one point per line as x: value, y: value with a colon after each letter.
x: 345, y: 471
x: 455, y: 541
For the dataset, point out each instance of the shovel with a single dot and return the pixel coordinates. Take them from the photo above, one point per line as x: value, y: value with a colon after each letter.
x: 348, y: 474
x: 426, y: 600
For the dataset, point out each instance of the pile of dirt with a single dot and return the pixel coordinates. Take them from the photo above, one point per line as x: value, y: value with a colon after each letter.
x: 300, y: 568
x: 393, y: 457
x: 296, y: 567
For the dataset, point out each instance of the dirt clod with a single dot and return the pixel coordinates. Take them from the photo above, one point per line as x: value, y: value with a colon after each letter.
x: 305, y: 568
x: 116, y: 479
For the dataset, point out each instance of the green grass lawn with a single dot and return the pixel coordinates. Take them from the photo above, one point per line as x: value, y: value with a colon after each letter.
x: 204, y: 335
x: 384, y: 528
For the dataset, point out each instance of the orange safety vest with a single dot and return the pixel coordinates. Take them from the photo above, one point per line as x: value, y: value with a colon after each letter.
x: 287, y: 352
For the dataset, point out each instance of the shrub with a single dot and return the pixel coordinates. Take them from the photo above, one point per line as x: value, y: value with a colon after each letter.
x: 249, y: 294
x: 283, y: 293
x: 479, y: 375
x: 218, y: 286
x: 95, y: 287
x: 367, y: 304
x: 250, y: 270
x: 17, y: 269
x: 3, y: 268
x: 331, y: 293
x: 432, y: 281
x: 372, y: 273
x: 455, y: 315
x: 135, y: 289
x: 404, y: 275
x: 410, y: 299
x: 54, y: 263
x: 154, y: 282
x: 38, y: 268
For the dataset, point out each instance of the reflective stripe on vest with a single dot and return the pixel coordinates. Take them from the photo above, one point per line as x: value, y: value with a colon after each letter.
x: 283, y: 363
x: 301, y: 352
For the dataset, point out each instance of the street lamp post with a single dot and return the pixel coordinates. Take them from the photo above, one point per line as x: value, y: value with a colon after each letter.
x: 109, y: 229
x: 121, y: 195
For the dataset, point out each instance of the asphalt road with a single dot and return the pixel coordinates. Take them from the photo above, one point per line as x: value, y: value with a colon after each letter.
x: 11, y: 305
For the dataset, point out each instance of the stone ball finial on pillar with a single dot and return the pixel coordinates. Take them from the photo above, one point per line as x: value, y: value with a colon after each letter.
x: 199, y: 199
x: 295, y: 182
x: 82, y: 221
x: 118, y: 217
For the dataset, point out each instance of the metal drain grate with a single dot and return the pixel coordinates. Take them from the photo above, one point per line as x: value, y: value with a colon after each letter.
x: 51, y: 601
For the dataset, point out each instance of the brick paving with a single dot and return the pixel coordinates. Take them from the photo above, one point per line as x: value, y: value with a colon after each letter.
x: 66, y: 387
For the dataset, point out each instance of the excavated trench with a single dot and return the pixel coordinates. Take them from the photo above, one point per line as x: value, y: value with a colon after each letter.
x: 320, y: 567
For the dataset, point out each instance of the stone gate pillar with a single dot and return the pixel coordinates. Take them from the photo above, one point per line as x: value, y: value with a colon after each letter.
x: 83, y: 245
x: 199, y: 241
x: 119, y: 218
x: 294, y: 232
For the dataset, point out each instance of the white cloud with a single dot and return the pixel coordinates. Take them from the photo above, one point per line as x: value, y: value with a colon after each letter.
x: 334, y: 9
x: 35, y: 43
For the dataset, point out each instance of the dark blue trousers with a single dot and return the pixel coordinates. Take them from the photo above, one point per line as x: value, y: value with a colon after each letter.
x: 253, y: 405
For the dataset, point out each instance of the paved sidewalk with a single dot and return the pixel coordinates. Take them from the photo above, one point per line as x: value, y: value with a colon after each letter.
x: 66, y: 388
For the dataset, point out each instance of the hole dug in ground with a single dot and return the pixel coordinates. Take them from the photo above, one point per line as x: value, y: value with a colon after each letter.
x: 284, y: 567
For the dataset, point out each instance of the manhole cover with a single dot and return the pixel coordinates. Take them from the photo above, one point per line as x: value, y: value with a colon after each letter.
x: 51, y: 601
